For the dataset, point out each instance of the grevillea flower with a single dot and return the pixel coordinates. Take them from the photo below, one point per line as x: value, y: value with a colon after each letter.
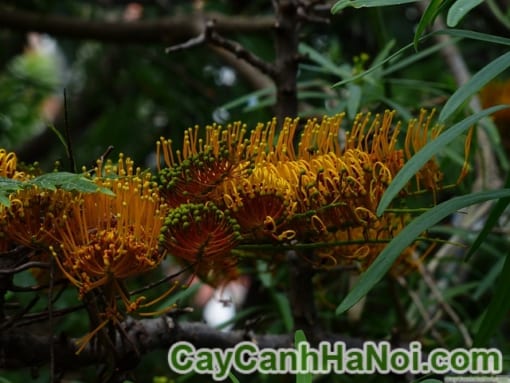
x: 320, y: 190
x: 193, y: 175
x: 202, y: 235
x: 260, y: 202
x: 104, y: 239
x: 31, y: 215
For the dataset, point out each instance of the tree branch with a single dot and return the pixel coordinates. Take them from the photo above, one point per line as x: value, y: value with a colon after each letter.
x: 211, y: 36
x: 165, y: 30
x: 21, y: 348
x: 301, y: 295
x: 286, y: 64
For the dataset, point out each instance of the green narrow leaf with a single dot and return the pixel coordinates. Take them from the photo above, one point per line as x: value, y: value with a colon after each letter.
x: 491, y: 221
x: 374, y: 67
x: 418, y: 56
x: 285, y: 311
x: 339, y: 5
x: 460, y: 9
x: 426, y: 153
x: 392, y: 251
x: 299, y: 337
x: 384, y: 53
x: 244, y: 100
x: 474, y: 36
x: 427, y: 18
x: 60, y: 137
x: 353, y: 100
x: 489, y: 279
x: 481, y: 78
x: 324, y: 61
x: 233, y: 378
x: 394, y: 56
x: 497, y: 309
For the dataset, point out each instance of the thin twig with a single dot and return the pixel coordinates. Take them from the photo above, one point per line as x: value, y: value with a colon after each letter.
x: 14, y: 319
x: 30, y: 319
x: 429, y: 281
x: 25, y: 266
x: 305, y: 10
x: 161, y: 281
x: 50, y: 321
x: 211, y: 36
x: 421, y: 309
x: 69, y: 143
x: 30, y: 289
x: 191, y: 43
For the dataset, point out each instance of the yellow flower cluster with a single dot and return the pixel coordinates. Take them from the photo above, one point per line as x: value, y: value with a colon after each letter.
x: 97, y: 240
x: 306, y: 183
x: 104, y: 239
x: 322, y: 189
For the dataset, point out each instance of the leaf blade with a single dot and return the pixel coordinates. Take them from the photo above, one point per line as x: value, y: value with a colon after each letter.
x: 426, y: 153
x: 392, y: 251
x: 497, y: 309
x: 427, y: 18
x: 479, y: 79
x: 459, y: 9
x: 492, y: 219
x: 339, y: 5
x: 466, y: 34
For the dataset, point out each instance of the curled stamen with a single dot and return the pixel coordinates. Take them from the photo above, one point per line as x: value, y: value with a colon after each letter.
x: 318, y: 225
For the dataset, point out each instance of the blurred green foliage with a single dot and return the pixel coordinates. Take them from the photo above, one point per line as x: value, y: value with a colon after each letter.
x: 29, y: 79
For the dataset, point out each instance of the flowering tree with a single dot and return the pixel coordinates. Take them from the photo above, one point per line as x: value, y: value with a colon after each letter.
x: 293, y: 201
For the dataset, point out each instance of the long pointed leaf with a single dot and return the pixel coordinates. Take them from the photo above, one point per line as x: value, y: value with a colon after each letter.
x: 299, y: 337
x: 426, y: 153
x: 497, y: 309
x: 427, y: 18
x: 481, y: 78
x: 324, y: 61
x: 394, y: 56
x: 339, y: 5
x: 460, y: 9
x: 474, y: 36
x: 418, y: 56
x: 491, y: 221
x: 374, y: 67
x: 392, y: 251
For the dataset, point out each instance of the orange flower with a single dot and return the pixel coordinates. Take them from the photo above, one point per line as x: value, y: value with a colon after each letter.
x: 29, y: 219
x: 202, y: 235
x: 201, y: 166
x: 260, y: 202
x: 104, y: 238
x: 320, y: 190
